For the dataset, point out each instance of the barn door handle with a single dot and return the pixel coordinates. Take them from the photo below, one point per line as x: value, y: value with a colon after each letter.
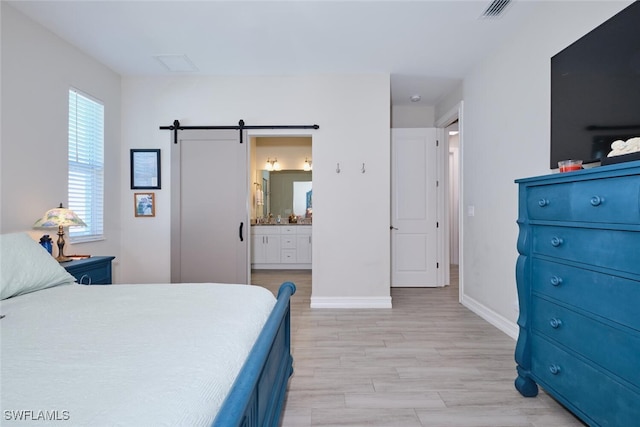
x: 240, y: 231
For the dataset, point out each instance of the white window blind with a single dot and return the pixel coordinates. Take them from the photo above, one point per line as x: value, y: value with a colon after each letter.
x: 86, y: 165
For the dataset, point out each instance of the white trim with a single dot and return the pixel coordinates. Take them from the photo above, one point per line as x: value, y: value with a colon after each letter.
x: 350, y: 302
x: 445, y: 120
x: 254, y: 133
x: 500, y: 322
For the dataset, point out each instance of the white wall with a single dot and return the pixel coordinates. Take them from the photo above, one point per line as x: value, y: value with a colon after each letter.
x: 290, y: 152
x: 448, y: 103
x: 351, y: 248
x: 38, y: 68
x: 351, y: 209
x: 506, y: 136
x: 412, y: 116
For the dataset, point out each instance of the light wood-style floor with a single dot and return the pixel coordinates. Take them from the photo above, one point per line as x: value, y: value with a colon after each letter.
x: 428, y: 361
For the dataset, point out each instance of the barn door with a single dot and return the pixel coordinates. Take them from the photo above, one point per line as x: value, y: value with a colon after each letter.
x: 210, y: 219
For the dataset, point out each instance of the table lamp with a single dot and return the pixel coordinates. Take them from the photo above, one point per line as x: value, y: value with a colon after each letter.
x: 60, y: 217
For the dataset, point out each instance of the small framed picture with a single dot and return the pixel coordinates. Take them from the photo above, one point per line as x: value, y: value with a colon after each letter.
x: 145, y: 169
x: 144, y: 204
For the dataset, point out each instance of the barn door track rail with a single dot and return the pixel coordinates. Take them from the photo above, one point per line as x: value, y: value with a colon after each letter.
x: 175, y: 127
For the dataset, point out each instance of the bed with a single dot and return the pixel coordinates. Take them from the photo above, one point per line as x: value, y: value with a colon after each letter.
x: 163, y: 354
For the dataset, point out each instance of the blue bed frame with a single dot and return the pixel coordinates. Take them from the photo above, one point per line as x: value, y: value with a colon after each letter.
x: 258, y: 393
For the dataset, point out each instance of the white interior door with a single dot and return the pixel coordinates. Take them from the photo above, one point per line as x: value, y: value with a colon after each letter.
x: 414, y: 244
x: 210, y: 220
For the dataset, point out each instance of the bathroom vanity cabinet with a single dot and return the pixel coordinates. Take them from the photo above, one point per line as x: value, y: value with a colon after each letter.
x: 280, y: 246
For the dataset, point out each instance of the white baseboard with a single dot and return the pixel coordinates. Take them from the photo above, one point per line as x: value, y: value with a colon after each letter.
x: 350, y: 302
x: 505, y: 325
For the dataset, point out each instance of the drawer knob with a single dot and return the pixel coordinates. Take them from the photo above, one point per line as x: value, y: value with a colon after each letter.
x: 555, y: 323
x: 596, y: 200
x: 556, y: 281
x: 554, y: 369
x: 82, y: 279
x: 543, y: 202
x: 556, y: 241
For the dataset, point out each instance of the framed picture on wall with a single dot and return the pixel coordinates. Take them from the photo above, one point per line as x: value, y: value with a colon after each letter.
x: 145, y: 169
x: 144, y: 204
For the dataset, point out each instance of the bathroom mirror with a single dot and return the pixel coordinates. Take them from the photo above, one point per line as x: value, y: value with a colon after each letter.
x: 279, y: 197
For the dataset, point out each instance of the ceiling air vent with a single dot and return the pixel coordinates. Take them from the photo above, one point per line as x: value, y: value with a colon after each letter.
x: 495, y: 9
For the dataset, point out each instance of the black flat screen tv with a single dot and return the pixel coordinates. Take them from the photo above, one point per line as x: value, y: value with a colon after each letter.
x: 595, y: 90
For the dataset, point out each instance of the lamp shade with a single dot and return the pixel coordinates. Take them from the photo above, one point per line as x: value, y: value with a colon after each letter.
x: 59, y: 216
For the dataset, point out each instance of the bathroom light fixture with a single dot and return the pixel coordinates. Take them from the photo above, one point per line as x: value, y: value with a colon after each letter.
x: 272, y: 165
x: 307, y: 165
x: 415, y: 98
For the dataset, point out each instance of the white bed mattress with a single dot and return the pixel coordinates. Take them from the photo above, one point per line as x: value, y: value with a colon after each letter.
x: 126, y: 355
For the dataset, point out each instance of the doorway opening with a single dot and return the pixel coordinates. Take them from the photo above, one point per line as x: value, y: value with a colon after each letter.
x: 452, y: 125
x: 280, y: 203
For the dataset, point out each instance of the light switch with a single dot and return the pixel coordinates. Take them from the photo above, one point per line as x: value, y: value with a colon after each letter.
x: 471, y: 210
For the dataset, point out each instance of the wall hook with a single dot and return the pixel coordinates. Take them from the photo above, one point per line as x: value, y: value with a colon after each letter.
x: 363, y: 168
x: 337, y: 167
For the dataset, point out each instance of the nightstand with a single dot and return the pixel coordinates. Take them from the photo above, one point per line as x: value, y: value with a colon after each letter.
x: 95, y: 270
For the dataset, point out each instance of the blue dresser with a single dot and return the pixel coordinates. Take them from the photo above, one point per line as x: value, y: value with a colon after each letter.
x: 578, y: 278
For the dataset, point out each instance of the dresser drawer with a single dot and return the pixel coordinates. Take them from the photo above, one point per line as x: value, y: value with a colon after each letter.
x: 550, y: 202
x: 289, y: 256
x: 265, y: 229
x: 611, y: 297
x: 288, y: 229
x: 616, y: 200
x: 91, y: 271
x: 609, y: 347
x: 288, y: 241
x: 303, y: 230
x: 613, y: 249
x: 101, y: 275
x: 583, y: 387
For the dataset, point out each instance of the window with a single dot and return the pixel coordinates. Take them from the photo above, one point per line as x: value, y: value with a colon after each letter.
x: 86, y: 165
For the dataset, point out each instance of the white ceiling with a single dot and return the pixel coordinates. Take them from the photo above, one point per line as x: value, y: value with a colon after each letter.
x: 426, y: 46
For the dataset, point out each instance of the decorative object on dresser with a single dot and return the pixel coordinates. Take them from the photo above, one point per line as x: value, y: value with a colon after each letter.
x: 47, y: 243
x: 91, y: 271
x: 60, y: 217
x: 623, y: 151
x: 578, y: 279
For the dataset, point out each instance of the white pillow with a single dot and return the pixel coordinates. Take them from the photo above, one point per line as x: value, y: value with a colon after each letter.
x: 25, y: 266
